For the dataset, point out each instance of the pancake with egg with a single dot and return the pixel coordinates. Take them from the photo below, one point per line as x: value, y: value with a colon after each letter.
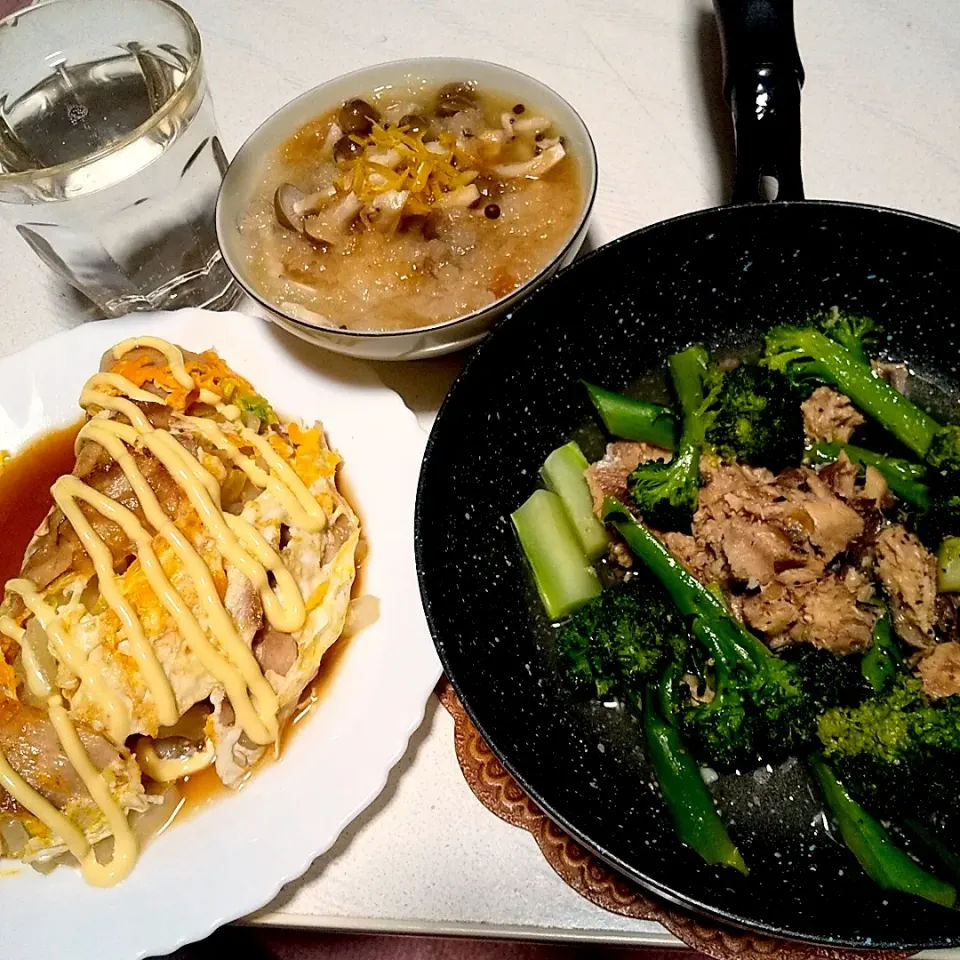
x: 172, y: 607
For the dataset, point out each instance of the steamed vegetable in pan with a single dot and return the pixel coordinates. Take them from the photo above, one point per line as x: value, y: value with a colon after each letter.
x: 781, y: 578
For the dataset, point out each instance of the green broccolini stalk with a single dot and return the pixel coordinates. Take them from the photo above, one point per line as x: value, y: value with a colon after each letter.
x: 885, y: 863
x: 666, y: 493
x: 563, y: 474
x: 564, y: 576
x: 804, y: 353
x: 764, y: 707
x: 634, y: 419
x: 685, y: 795
x: 883, y: 661
x: 858, y: 334
x: 836, y: 355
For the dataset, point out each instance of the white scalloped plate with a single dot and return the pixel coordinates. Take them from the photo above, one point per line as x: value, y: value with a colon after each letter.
x: 233, y: 856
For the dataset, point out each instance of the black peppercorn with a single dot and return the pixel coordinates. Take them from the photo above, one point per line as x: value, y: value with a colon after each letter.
x: 519, y: 108
x: 491, y: 211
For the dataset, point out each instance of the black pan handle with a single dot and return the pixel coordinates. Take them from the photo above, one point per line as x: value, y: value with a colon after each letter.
x: 762, y: 77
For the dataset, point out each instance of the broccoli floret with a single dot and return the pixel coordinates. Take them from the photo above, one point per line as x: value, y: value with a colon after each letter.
x: 726, y: 731
x: 766, y: 707
x: 666, y: 493
x: 827, y: 680
x: 623, y: 638
x: 895, y: 751
x: 944, y: 453
x: 860, y: 335
x: 754, y: 415
x: 763, y: 707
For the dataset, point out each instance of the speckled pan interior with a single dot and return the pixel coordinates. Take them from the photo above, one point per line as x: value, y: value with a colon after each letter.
x: 719, y: 277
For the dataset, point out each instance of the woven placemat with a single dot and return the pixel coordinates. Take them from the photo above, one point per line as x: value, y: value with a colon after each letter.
x: 593, y: 879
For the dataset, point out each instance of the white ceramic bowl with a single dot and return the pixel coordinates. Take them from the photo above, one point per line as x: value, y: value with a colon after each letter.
x: 243, y: 178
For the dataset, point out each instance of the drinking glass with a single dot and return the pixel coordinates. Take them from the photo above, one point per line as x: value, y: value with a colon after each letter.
x: 109, y: 157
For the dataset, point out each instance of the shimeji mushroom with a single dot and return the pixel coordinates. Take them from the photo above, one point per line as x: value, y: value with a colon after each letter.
x: 330, y: 225
x: 291, y: 204
x: 533, y: 168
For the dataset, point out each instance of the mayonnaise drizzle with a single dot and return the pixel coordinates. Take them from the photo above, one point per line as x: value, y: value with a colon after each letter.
x: 166, y: 771
x: 66, y: 492
x: 287, y: 487
x: 259, y: 725
x: 229, y: 660
x: 170, y: 351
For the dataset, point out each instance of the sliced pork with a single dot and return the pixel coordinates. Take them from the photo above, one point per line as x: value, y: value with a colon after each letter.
x: 940, y: 670
x: 908, y: 572
x: 830, y: 416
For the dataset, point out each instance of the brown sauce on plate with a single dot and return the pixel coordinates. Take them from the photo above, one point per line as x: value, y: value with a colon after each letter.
x: 25, y: 497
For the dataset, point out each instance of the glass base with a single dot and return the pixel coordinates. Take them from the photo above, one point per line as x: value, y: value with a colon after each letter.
x: 212, y: 288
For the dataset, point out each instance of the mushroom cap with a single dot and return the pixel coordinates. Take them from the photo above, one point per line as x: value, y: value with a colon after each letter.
x: 455, y: 98
x: 357, y: 116
x: 346, y: 149
x: 415, y: 123
x: 285, y: 202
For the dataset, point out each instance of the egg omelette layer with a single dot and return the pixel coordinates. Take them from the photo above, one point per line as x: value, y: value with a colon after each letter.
x: 172, y: 607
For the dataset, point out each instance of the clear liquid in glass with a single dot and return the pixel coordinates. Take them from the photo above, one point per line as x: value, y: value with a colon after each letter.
x: 121, y: 165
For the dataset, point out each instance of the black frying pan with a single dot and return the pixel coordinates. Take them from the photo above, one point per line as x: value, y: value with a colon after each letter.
x: 720, y: 276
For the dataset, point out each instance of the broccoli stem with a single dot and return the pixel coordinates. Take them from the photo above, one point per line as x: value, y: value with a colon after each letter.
x: 564, y: 577
x: 666, y: 493
x: 811, y: 353
x: 563, y: 473
x: 712, y: 623
x: 948, y: 565
x: 634, y: 419
x: 885, y: 863
x: 904, y: 478
x: 688, y: 371
x: 882, y: 661
x: 934, y: 848
x: 685, y: 590
x: 686, y: 796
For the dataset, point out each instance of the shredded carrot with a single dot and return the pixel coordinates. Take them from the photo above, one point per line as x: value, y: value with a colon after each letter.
x: 209, y: 372
x: 426, y: 174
